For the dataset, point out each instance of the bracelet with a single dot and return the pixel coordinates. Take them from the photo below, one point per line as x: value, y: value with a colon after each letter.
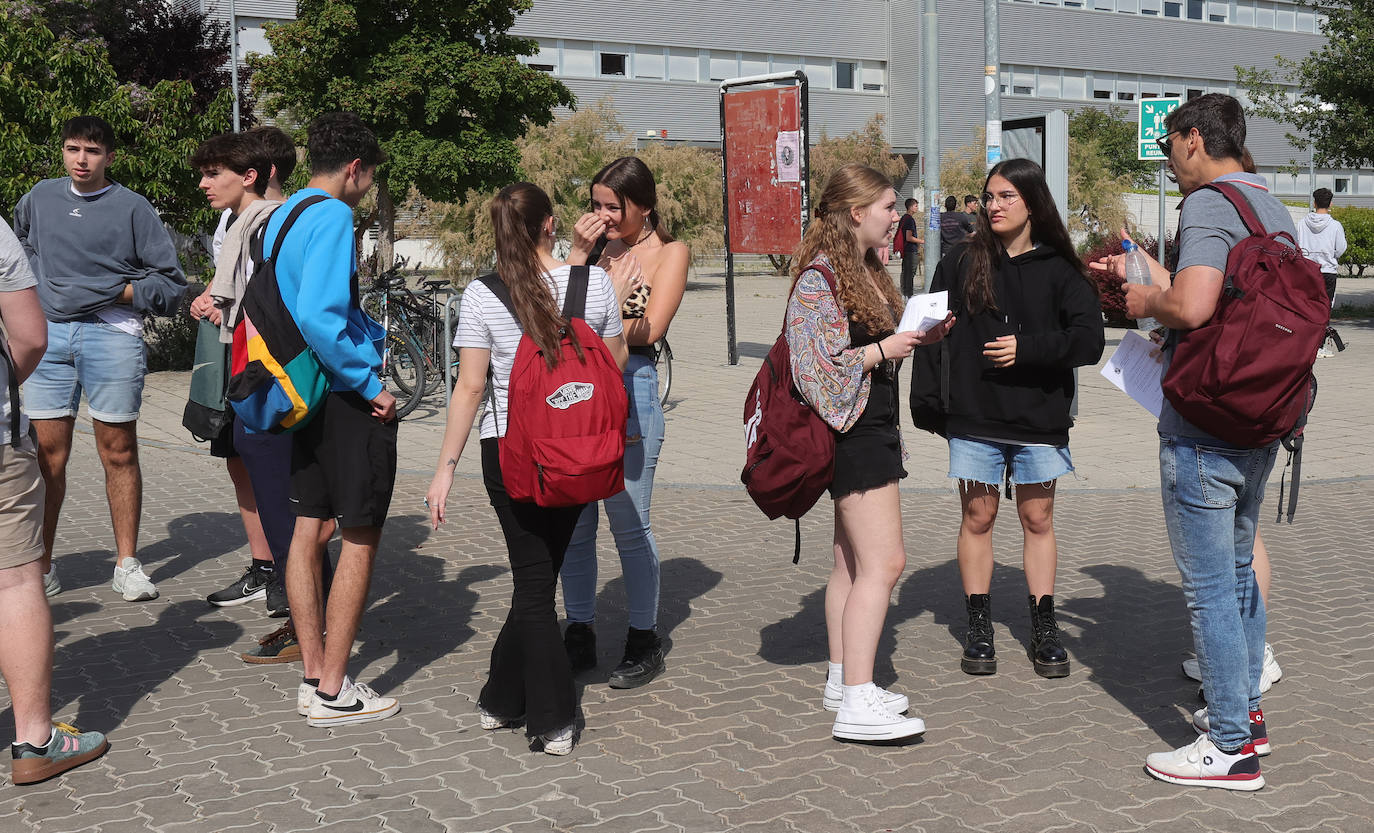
x: 879, y: 345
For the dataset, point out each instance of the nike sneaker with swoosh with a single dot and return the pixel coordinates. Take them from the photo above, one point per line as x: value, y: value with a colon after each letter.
x: 355, y: 703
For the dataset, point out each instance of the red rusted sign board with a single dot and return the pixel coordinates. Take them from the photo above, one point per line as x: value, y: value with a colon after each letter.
x: 761, y: 161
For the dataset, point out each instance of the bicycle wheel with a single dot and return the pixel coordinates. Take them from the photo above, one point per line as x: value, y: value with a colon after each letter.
x: 402, y: 374
x: 665, y: 371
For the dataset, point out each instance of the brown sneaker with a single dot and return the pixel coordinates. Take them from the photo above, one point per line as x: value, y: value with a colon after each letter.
x: 278, y: 646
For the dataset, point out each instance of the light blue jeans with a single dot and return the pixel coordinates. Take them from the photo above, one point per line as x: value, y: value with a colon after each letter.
x: 90, y: 355
x: 628, y: 513
x: 1212, y: 496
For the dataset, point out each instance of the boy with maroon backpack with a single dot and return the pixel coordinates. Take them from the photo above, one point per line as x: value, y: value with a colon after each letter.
x: 1237, y: 253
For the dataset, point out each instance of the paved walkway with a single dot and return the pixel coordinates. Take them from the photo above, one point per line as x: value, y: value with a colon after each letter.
x: 732, y: 737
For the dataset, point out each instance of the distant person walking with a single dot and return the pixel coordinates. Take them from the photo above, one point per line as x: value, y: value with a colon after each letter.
x: 844, y: 351
x: 529, y: 679
x: 1322, y: 239
x: 1003, y: 390
x: 909, y: 242
x: 624, y: 217
x: 103, y: 260
x: 955, y: 225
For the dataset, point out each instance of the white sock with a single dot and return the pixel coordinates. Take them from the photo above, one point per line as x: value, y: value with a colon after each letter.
x: 856, y: 691
x: 834, y: 673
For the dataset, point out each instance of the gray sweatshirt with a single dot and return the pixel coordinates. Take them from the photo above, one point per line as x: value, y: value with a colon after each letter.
x: 83, y: 250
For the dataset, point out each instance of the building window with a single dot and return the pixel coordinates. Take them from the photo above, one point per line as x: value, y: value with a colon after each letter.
x: 1342, y: 185
x: 579, y: 60
x: 1075, y: 86
x: 1195, y: 9
x: 1245, y: 14
x: 752, y: 63
x: 820, y: 73
x: 1005, y: 80
x: 682, y: 64
x: 1128, y: 6
x: 844, y: 75
x: 723, y: 65
x: 1264, y: 15
x: 1173, y: 9
x: 547, y: 58
x: 1150, y: 7
x: 649, y: 62
x: 1126, y: 90
x: 1102, y: 85
x: 1307, y: 22
x: 1047, y: 85
x: 1285, y: 19
x: 1023, y: 82
x: 875, y: 76
x: 614, y: 63
x: 1193, y: 93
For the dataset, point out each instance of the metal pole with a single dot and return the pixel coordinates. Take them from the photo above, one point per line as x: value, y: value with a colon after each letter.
x: 992, y: 91
x: 731, y: 347
x: 1160, y: 245
x: 1311, y: 173
x: 234, y: 60
x: 930, y: 132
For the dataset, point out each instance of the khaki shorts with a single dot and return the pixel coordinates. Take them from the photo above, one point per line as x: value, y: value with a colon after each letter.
x: 21, y: 504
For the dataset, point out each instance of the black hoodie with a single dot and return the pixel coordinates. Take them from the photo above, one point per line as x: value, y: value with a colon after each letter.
x: 1054, y: 313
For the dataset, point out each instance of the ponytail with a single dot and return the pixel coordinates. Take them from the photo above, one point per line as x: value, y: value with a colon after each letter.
x: 517, y: 215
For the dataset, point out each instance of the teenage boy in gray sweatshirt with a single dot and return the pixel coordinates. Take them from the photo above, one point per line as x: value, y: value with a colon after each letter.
x: 103, y: 260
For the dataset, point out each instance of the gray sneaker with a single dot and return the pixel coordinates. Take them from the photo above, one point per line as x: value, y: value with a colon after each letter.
x: 52, y: 585
x: 130, y: 580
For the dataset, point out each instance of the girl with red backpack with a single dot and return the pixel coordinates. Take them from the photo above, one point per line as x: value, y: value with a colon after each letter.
x: 529, y: 679
x: 843, y: 353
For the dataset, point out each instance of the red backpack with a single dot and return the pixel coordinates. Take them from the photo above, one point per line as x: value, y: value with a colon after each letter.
x: 1246, y: 375
x: 789, y: 451
x: 565, y: 426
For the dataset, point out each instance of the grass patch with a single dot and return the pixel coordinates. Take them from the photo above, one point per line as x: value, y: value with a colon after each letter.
x: 1346, y: 312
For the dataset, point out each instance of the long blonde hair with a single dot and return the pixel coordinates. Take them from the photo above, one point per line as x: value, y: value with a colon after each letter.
x: 867, y: 294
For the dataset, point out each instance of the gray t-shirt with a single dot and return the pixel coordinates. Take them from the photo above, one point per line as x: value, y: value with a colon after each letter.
x: 15, y: 275
x: 1209, y: 226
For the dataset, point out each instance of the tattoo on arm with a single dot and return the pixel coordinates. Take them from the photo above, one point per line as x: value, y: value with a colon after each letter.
x: 452, y: 462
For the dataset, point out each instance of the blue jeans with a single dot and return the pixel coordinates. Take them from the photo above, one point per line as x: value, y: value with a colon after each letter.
x: 628, y: 513
x: 986, y: 461
x: 90, y: 355
x: 1212, y: 496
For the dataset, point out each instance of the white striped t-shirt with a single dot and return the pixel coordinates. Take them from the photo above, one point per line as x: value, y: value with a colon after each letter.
x: 484, y: 323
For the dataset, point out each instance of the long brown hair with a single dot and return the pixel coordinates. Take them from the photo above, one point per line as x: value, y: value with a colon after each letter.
x: 985, y: 248
x: 518, y: 213
x: 630, y: 179
x: 867, y: 294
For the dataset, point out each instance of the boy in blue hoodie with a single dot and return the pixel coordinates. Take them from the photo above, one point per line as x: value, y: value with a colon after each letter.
x: 103, y: 260
x: 344, y: 460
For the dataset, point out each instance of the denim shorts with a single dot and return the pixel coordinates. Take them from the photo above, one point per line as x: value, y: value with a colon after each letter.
x: 99, y: 358
x: 986, y: 461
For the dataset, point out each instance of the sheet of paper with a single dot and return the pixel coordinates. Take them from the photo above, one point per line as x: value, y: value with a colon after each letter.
x: 1134, y: 370
x: 924, y: 311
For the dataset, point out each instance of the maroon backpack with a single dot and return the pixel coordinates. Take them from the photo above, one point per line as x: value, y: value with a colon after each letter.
x: 1246, y: 375
x: 789, y: 451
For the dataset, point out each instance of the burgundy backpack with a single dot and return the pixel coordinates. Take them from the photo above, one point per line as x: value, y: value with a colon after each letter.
x: 1246, y: 375
x: 789, y: 451
x: 565, y: 426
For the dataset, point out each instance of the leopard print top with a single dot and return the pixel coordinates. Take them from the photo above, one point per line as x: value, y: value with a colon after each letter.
x: 636, y: 305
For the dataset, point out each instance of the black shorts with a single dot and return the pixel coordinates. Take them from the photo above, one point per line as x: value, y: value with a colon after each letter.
x: 869, y: 454
x: 222, y: 445
x: 343, y: 463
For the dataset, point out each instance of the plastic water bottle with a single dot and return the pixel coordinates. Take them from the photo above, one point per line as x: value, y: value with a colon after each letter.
x: 1138, y: 272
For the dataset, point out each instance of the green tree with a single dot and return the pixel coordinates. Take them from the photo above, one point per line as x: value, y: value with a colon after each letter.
x: 1328, y: 96
x: 1116, y: 137
x: 1359, y: 236
x: 441, y: 84
x: 46, y: 79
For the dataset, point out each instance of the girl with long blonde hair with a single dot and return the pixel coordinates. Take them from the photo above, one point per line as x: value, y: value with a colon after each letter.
x: 844, y: 352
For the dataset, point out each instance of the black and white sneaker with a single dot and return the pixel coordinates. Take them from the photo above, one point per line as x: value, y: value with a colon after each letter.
x: 252, y: 585
x: 355, y: 703
x: 277, y: 606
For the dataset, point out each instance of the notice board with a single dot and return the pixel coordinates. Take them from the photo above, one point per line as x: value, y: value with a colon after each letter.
x: 763, y: 136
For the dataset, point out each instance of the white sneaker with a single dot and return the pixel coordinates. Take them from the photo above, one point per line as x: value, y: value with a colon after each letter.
x: 1201, y: 764
x: 862, y: 716
x: 1259, y: 733
x: 558, y: 742
x: 52, y: 585
x: 130, y: 580
x: 1270, y: 674
x: 490, y: 721
x: 356, y: 703
x: 834, y: 695
x: 305, y: 698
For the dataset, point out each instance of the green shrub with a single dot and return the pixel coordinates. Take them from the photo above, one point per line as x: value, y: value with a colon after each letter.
x: 172, y: 339
x: 1359, y: 236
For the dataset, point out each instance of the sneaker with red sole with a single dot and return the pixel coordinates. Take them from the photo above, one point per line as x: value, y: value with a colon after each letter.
x: 1259, y: 733
x: 1202, y: 764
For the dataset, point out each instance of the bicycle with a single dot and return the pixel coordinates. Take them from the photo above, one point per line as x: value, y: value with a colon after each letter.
x: 664, y: 360
x: 415, y: 335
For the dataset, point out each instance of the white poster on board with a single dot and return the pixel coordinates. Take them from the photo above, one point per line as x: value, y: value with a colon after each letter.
x: 789, y: 156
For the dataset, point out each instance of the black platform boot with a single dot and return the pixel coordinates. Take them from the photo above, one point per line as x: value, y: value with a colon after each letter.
x: 1046, y: 651
x: 643, y: 660
x: 979, y: 655
x: 579, y: 640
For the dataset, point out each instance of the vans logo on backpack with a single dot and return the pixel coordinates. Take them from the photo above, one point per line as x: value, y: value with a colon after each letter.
x: 570, y: 394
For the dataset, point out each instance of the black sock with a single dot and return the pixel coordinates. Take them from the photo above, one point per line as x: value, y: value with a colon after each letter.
x: 313, y: 682
x: 319, y: 692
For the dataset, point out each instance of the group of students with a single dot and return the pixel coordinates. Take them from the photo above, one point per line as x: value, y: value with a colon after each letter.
x: 995, y: 378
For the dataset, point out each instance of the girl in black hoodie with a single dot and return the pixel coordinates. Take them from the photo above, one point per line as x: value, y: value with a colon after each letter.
x: 999, y: 389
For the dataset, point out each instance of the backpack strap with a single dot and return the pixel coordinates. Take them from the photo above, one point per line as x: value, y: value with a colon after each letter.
x: 575, y: 297
x: 16, y: 409
x: 1242, y: 206
x: 256, y: 251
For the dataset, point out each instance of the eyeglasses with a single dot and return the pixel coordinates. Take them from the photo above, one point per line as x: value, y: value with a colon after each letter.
x: 1165, y: 143
x: 1007, y: 198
